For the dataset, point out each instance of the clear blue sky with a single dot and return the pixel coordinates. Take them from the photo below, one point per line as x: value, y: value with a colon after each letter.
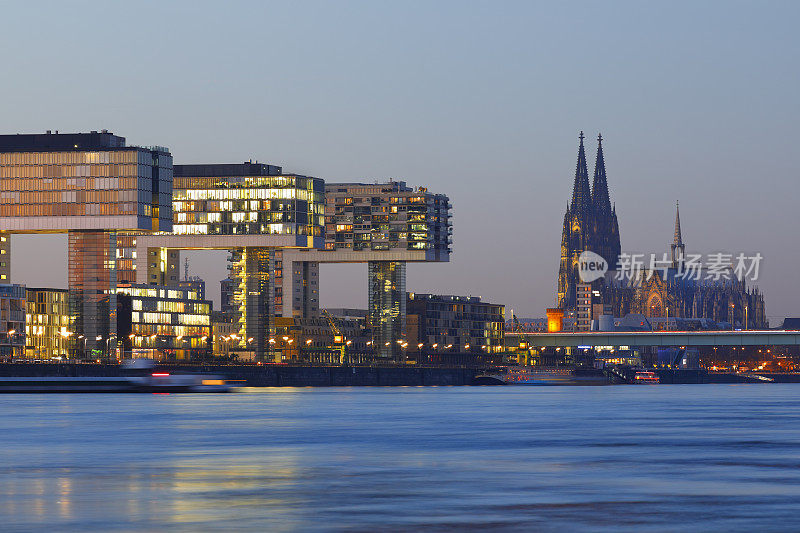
x: 697, y: 101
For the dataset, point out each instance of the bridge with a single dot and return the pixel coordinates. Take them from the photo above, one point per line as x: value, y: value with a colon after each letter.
x: 617, y: 339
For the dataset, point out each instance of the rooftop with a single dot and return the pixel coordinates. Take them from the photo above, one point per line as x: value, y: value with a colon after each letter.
x: 248, y: 168
x: 60, y: 142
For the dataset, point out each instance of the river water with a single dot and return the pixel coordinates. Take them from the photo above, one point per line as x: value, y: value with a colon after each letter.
x: 630, y: 458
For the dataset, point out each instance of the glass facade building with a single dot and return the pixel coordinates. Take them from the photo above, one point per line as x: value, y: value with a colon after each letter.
x: 61, y: 182
x: 251, y: 209
x: 247, y: 205
x: 387, y: 307
x: 164, y: 323
x: 90, y: 185
x: 47, y: 323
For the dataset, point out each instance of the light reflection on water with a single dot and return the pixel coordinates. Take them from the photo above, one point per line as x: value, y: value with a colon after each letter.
x: 521, y: 458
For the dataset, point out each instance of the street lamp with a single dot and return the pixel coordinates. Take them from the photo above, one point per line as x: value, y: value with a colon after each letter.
x: 65, y: 335
x: 10, y: 334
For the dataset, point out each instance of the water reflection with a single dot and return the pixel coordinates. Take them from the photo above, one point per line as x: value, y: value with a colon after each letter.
x: 636, y: 458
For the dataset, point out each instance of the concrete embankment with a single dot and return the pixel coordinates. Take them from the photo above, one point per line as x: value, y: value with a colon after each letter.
x: 678, y: 376
x: 269, y: 375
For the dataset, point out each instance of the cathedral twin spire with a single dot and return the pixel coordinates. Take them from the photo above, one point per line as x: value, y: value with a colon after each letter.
x: 596, y: 198
x: 590, y: 223
x: 581, y: 194
x: 600, y: 198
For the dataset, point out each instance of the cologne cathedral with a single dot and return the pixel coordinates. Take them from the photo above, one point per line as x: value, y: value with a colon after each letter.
x: 590, y: 223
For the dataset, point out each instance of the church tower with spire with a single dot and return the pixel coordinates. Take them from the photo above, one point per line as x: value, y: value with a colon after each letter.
x: 578, y: 233
x: 607, y: 232
x: 590, y: 223
x: 677, y: 247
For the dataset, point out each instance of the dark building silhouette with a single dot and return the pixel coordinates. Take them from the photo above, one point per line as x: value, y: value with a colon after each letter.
x: 590, y: 223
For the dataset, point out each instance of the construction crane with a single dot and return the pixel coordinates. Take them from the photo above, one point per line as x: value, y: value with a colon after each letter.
x: 338, y: 338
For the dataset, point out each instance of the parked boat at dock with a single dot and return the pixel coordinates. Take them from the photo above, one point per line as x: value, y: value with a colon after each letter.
x: 521, y: 375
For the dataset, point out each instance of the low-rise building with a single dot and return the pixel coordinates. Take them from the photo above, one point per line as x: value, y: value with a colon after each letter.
x: 322, y: 340
x: 12, y: 321
x: 224, y: 330
x: 164, y: 323
x: 453, y: 329
x: 47, y: 323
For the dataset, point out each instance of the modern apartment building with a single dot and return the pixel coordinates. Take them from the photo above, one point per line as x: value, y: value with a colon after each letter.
x: 454, y: 329
x: 12, y: 321
x: 385, y: 225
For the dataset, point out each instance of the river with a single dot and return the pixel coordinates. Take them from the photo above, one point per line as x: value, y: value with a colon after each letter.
x: 617, y: 458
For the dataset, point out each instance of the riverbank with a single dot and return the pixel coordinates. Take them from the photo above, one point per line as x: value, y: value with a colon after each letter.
x: 270, y: 375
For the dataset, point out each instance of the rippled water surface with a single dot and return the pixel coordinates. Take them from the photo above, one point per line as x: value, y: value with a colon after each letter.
x: 701, y: 457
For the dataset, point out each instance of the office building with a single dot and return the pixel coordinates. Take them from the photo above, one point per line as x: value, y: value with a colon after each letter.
x: 163, y: 323
x: 254, y: 211
x: 47, y: 323
x: 91, y: 186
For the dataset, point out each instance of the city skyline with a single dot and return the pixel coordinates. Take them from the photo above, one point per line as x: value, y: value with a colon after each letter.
x: 709, y: 125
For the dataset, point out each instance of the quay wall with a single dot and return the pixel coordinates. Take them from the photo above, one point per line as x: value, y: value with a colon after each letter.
x: 269, y: 375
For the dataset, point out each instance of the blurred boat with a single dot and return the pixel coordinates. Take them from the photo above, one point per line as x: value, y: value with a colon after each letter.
x: 154, y: 382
